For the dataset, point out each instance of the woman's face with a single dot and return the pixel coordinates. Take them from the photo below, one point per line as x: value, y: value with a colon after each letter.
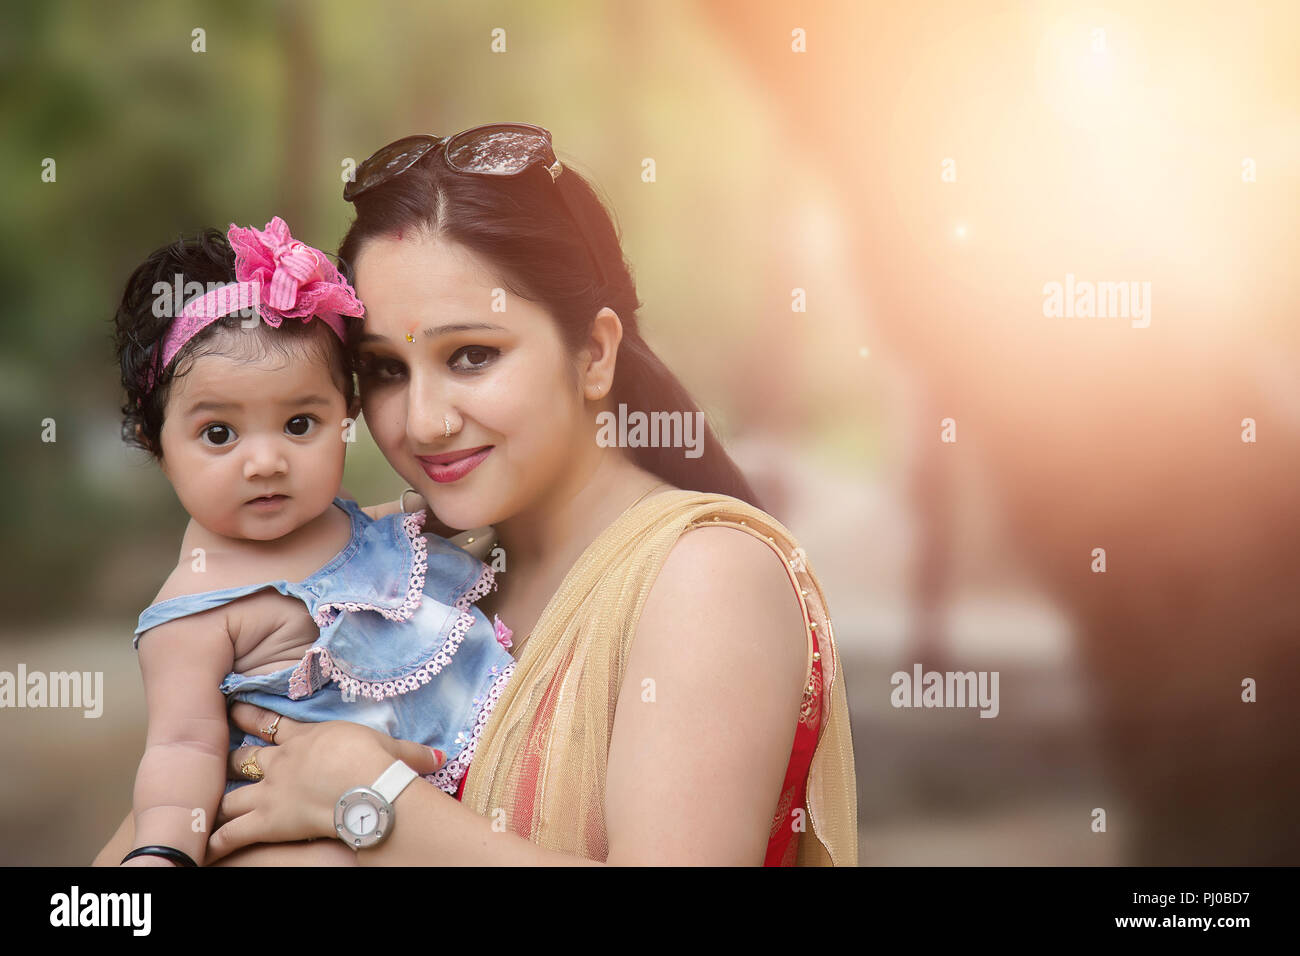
x: 443, y: 338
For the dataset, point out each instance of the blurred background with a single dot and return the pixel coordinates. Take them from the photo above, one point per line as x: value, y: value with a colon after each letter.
x: 922, y: 171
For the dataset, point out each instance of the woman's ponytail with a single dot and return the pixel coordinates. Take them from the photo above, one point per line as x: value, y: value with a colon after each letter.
x: 643, y: 383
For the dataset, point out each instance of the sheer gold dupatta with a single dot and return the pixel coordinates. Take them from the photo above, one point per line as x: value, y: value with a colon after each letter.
x: 541, y: 758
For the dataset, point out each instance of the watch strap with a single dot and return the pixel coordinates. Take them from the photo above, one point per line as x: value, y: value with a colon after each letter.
x: 393, y: 781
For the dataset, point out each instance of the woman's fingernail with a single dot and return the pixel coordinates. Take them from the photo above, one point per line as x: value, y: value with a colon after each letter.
x: 442, y: 757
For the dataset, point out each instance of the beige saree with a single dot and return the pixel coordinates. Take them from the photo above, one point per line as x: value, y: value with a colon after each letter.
x: 542, y: 754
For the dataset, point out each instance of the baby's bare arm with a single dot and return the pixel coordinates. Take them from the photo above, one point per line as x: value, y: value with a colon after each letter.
x: 182, y: 774
x: 323, y: 852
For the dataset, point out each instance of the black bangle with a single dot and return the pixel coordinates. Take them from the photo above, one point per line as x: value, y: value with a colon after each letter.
x: 166, y: 852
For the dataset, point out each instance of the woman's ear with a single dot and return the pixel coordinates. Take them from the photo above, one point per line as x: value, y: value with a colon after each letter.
x: 602, y: 354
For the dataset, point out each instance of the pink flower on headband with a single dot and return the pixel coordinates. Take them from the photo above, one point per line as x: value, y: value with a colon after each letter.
x: 283, y: 277
x: 297, y: 281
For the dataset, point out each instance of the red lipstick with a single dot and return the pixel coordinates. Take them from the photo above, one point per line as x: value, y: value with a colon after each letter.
x: 453, y: 465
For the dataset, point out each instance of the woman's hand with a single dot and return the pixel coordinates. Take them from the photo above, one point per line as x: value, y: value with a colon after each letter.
x: 305, y: 772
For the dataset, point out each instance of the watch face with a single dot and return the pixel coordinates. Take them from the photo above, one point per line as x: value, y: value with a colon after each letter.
x: 362, y: 817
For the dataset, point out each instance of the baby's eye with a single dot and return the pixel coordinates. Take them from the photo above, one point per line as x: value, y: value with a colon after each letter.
x: 300, y: 425
x: 218, y: 435
x: 479, y: 356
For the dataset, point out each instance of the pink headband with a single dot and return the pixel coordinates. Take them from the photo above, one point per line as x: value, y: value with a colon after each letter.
x: 282, y: 277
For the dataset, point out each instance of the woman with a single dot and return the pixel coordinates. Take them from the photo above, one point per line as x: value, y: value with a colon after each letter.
x: 677, y: 696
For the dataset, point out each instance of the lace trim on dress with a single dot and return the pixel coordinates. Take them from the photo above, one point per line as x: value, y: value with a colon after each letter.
x: 486, y: 582
x: 317, y: 665
x: 311, y: 673
x: 353, y: 687
x: 447, y: 778
x: 411, y: 524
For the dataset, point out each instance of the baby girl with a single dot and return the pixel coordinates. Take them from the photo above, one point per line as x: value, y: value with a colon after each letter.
x: 286, y: 594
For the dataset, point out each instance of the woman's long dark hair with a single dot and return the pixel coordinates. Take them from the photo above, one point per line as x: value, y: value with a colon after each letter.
x: 519, y: 225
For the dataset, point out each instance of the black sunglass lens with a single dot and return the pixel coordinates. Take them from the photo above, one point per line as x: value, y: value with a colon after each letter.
x: 500, y: 151
x: 392, y: 160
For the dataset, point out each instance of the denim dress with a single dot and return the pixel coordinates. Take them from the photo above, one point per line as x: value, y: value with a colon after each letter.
x: 402, y: 648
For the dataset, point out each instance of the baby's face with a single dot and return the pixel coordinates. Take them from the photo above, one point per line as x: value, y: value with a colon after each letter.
x: 234, y: 432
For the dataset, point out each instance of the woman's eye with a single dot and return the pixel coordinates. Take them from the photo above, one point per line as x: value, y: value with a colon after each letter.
x: 478, y: 356
x: 300, y: 425
x: 218, y: 435
x: 380, y: 369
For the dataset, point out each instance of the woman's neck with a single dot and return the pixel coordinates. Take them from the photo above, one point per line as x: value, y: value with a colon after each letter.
x: 556, y: 531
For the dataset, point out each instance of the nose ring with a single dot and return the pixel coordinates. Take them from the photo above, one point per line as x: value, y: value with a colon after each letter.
x: 446, y: 427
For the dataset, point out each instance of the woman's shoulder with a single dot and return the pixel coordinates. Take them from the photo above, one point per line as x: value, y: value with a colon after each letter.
x: 728, y: 559
x: 734, y: 556
x: 700, y: 516
x: 686, y: 551
x: 733, y: 560
x: 711, y: 503
x: 731, y: 566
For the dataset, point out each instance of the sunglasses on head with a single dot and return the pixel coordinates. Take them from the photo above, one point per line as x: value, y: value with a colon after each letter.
x: 498, y: 149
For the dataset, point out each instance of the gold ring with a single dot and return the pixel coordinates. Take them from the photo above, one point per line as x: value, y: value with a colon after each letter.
x: 250, y: 769
x: 268, y: 732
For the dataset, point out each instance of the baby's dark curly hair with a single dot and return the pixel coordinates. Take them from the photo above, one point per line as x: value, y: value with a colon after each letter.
x: 139, y: 332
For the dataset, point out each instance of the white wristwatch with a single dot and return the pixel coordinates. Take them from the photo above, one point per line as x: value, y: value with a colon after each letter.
x: 364, y: 815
